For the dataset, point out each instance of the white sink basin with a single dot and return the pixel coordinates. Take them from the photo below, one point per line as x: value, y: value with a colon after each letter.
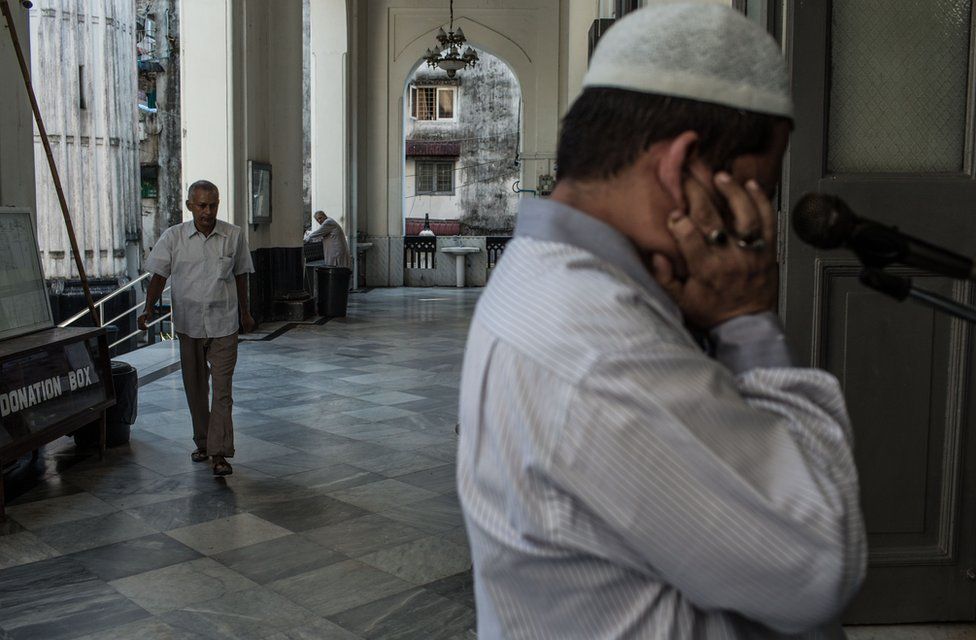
x: 459, y: 253
x: 363, y: 246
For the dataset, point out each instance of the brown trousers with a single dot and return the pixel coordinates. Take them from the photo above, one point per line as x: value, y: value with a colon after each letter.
x: 206, y: 363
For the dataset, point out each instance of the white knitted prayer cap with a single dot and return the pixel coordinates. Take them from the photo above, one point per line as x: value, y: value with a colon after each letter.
x: 698, y: 49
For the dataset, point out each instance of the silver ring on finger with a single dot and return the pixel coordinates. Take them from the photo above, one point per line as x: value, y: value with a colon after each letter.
x: 753, y: 244
x: 716, y: 237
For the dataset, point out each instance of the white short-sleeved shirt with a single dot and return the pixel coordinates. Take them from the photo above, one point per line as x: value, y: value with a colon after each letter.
x: 202, y: 271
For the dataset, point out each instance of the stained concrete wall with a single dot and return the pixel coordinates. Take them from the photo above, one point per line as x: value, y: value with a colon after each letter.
x: 161, y: 133
x: 84, y: 72
x: 486, y: 126
x: 524, y: 34
x: 392, y: 37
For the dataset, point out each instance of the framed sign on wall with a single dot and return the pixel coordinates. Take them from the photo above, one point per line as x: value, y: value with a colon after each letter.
x: 24, y: 304
x: 259, y: 188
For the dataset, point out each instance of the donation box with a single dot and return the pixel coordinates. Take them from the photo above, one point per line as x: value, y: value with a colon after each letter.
x: 52, y: 382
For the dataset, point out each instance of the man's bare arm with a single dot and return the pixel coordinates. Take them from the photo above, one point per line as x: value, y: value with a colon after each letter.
x: 156, y: 285
x: 247, y: 322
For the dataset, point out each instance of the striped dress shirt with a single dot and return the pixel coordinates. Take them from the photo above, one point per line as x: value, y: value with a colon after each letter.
x: 619, y: 482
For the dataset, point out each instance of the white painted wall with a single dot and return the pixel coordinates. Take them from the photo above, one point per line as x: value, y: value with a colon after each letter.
x: 328, y: 105
x: 576, y: 17
x: 241, y: 88
x: 16, y: 122
x: 244, y: 56
x: 270, y: 65
x: 206, y: 89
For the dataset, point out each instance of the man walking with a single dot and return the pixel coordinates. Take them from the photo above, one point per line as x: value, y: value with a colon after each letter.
x: 617, y: 479
x: 208, y: 262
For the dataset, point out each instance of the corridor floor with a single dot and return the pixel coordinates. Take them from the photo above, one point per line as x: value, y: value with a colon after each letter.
x: 340, y: 521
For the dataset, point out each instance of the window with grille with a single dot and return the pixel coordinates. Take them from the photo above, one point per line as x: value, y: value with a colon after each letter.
x: 435, y: 178
x: 432, y: 103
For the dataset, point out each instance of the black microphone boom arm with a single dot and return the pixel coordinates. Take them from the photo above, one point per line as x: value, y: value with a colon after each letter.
x: 879, y: 246
x: 901, y: 287
x: 826, y: 222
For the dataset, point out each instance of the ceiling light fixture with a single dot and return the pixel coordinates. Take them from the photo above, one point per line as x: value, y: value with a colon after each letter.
x: 447, y: 53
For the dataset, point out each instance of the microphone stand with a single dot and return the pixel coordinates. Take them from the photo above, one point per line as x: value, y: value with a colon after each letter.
x: 900, y: 288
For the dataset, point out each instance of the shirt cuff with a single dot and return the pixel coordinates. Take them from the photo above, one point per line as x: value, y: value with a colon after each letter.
x: 751, y: 342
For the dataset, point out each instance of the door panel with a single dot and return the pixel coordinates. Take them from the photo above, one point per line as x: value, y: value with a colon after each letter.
x: 884, y: 104
x: 923, y: 49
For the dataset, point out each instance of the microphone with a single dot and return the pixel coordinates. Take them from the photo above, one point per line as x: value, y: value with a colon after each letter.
x: 826, y: 222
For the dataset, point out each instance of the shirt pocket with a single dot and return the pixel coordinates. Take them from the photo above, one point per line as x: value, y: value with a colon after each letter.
x: 214, y: 284
x: 225, y: 267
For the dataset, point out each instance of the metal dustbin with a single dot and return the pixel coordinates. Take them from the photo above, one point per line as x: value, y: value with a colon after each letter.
x: 118, y: 418
x: 333, y: 290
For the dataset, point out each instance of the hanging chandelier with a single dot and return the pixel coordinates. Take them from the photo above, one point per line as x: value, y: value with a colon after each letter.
x: 447, y: 53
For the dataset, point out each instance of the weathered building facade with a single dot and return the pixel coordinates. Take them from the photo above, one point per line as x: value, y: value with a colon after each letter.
x: 462, y: 146
x: 159, y: 118
x: 84, y: 71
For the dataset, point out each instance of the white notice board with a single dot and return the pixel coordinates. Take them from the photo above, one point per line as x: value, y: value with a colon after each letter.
x: 24, y: 305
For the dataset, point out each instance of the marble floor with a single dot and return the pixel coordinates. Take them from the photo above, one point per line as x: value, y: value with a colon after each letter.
x: 340, y: 521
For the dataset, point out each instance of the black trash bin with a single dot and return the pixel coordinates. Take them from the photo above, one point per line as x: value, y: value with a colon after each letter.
x: 119, y: 418
x: 333, y: 290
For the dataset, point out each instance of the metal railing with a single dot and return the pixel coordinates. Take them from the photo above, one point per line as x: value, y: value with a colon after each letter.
x: 494, y: 246
x: 100, y: 305
x: 419, y: 252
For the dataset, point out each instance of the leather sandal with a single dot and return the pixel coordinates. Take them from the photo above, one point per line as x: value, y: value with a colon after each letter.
x: 200, y: 455
x: 221, y: 467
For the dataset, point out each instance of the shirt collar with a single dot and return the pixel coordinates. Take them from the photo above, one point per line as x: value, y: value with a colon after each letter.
x: 549, y: 220
x: 190, y: 229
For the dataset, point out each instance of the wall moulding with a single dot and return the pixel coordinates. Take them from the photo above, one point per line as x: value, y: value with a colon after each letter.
x: 937, y: 544
x: 413, y: 25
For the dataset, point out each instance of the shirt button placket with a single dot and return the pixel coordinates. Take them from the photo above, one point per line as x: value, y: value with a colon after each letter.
x: 207, y: 249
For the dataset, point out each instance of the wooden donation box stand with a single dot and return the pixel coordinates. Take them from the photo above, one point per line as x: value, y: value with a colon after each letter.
x: 52, y: 380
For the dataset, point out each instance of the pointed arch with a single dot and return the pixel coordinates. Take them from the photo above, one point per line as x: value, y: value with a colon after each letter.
x: 405, y: 61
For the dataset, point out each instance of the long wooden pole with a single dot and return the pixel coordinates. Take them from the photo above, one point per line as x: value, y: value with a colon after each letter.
x: 25, y: 72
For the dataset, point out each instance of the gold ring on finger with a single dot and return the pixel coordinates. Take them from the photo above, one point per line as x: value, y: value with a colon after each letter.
x: 716, y: 237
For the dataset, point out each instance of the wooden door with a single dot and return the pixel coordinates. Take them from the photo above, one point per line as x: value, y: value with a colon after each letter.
x: 884, y: 95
